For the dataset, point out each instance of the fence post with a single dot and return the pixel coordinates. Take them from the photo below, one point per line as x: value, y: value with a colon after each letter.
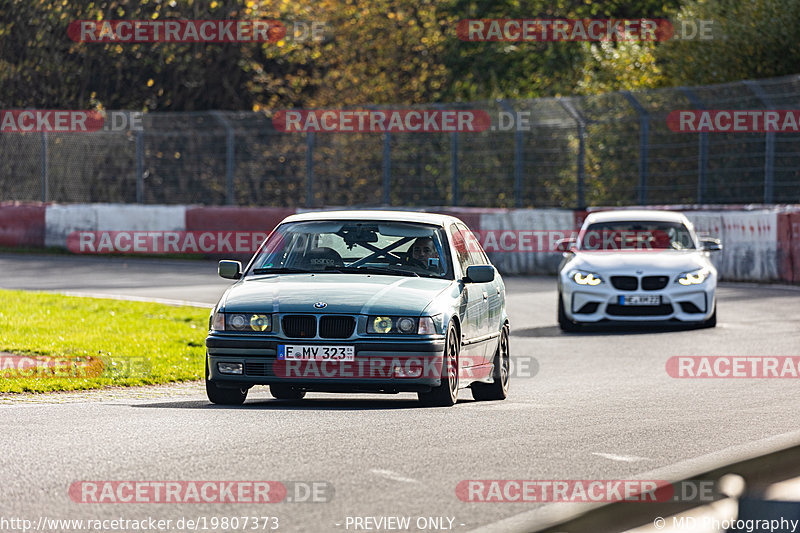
x: 518, y: 160
x: 702, y: 148
x: 43, y: 163
x: 309, y: 168
x: 229, y: 157
x: 644, y: 134
x: 454, y: 167
x: 580, y: 122
x: 769, y: 143
x: 139, y: 167
x: 387, y: 168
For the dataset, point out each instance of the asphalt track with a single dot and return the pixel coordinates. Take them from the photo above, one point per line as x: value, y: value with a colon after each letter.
x: 601, y: 406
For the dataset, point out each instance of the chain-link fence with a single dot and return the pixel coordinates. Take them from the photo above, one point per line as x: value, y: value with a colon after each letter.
x: 612, y: 149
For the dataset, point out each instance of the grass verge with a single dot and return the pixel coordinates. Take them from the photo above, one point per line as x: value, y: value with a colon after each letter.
x: 72, y: 343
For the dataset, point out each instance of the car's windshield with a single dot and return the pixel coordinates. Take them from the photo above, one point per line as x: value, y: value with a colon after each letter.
x: 636, y: 235
x: 346, y: 247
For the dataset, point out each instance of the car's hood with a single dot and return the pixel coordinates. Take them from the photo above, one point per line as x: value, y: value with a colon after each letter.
x: 648, y: 261
x: 343, y: 293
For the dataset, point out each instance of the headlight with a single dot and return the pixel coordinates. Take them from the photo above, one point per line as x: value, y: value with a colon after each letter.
x: 585, y: 278
x: 245, y: 322
x: 695, y: 277
x: 392, y: 324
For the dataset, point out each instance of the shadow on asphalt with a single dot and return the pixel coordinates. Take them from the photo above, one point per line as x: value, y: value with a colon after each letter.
x: 310, y: 404
x: 601, y: 331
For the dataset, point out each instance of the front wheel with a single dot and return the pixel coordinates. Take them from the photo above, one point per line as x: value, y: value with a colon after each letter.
x: 221, y: 396
x: 446, y: 394
x: 498, y: 390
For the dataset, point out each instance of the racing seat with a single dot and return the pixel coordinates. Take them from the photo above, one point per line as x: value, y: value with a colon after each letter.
x: 319, y: 258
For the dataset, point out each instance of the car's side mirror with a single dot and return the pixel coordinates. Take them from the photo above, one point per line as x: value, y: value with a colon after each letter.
x: 711, y: 245
x: 479, y: 274
x: 565, y: 245
x: 230, y: 269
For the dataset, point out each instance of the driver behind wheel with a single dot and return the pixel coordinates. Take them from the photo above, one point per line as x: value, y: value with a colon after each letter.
x: 423, y: 253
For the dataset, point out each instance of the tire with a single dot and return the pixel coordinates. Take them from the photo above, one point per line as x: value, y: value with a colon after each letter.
x: 563, y: 321
x: 222, y: 396
x: 502, y: 364
x: 446, y: 394
x: 285, y: 392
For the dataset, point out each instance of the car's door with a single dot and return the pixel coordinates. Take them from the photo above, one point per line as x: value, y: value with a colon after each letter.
x: 474, y: 304
x: 491, y: 293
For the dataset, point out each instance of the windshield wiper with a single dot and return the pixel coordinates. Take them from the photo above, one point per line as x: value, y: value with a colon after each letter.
x: 282, y: 270
x: 377, y: 270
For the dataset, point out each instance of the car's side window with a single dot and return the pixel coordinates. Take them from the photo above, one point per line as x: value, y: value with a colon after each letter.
x: 476, y: 255
x: 460, y: 244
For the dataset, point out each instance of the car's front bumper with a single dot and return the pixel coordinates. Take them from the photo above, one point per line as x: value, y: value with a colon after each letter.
x: 583, y: 304
x: 373, y: 370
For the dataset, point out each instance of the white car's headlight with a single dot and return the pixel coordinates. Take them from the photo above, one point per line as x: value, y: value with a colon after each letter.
x: 585, y: 278
x: 695, y: 277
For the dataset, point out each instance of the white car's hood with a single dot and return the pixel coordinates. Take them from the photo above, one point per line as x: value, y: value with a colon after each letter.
x: 649, y: 262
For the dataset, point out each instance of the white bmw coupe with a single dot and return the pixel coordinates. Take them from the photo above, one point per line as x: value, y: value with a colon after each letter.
x: 637, y: 266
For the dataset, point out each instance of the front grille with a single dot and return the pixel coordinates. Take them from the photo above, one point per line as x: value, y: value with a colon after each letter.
x: 299, y: 326
x: 336, y: 327
x: 689, y: 307
x: 258, y: 368
x: 625, y: 283
x: 639, y: 310
x: 654, y: 283
x: 588, y: 308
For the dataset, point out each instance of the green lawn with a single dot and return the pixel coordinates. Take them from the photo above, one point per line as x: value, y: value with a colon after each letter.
x: 87, y: 343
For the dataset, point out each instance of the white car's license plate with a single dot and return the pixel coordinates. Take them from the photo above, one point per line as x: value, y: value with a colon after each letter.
x: 301, y: 352
x: 639, y: 300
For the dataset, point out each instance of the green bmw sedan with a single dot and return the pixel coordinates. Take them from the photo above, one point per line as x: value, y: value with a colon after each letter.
x: 362, y: 301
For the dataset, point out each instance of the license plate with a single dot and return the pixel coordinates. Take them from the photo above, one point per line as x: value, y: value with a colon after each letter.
x: 639, y: 300
x: 301, y: 352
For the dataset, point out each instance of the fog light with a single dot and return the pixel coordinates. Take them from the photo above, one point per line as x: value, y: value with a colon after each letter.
x: 229, y: 368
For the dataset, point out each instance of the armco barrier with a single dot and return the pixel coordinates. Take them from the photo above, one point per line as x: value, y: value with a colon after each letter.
x: 527, y: 262
x: 22, y: 225
x: 785, y: 248
x: 62, y: 220
x: 794, y: 246
x: 235, y: 218
x: 750, y: 246
x: 760, y: 244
